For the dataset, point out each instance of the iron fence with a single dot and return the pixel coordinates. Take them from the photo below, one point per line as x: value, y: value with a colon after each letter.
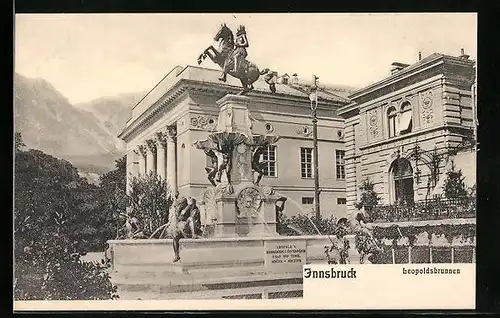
x: 432, y: 209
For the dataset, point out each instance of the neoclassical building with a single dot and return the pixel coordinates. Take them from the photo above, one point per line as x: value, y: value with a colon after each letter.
x: 399, y: 131
x: 182, y: 109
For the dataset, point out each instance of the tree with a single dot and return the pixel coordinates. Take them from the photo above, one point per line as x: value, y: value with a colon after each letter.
x: 369, y: 198
x: 18, y: 141
x: 150, y: 199
x: 113, y: 200
x: 454, y: 186
x: 52, y: 209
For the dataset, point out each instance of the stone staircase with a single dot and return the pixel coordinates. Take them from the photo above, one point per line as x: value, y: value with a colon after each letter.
x: 181, y: 282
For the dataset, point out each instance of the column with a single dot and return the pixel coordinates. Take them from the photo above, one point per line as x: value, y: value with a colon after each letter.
x: 160, y: 155
x: 151, y: 156
x: 171, y: 159
x: 132, y: 168
x: 141, y: 150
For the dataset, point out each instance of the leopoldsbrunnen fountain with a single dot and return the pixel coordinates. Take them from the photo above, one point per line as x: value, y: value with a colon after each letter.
x: 244, y: 257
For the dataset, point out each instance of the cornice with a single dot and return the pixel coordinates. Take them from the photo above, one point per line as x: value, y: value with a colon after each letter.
x: 428, y: 63
x: 351, y: 108
x: 186, y: 86
x: 163, y: 103
x: 277, y: 98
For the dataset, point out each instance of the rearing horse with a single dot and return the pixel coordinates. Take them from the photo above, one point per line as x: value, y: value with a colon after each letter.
x: 247, y: 72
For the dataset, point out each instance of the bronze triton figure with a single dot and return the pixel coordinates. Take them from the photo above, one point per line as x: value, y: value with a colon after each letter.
x: 232, y: 57
x: 257, y: 164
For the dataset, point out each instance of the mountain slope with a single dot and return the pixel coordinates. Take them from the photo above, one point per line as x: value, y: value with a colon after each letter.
x: 49, y: 122
x: 112, y: 112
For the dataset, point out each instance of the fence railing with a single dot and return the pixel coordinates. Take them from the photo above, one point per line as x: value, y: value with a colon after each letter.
x: 428, y: 255
x: 432, y: 209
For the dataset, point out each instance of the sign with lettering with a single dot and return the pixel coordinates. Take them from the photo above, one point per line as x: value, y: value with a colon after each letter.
x: 283, y: 255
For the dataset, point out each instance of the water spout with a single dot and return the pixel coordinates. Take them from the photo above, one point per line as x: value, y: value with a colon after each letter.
x: 302, y: 210
x: 308, y: 217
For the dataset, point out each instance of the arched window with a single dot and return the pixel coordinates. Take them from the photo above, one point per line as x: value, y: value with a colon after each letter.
x: 405, y: 122
x: 402, y: 181
x: 391, y: 121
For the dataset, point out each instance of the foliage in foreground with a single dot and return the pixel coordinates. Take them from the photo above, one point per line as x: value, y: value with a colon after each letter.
x: 56, y: 216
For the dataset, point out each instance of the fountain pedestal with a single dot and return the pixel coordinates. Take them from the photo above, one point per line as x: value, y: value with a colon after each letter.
x: 234, y: 116
x: 243, y: 209
x: 250, y: 211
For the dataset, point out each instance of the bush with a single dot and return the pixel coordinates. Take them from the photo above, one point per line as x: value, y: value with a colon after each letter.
x: 55, y: 217
x: 302, y: 224
x: 369, y: 198
x: 454, y: 186
x: 62, y: 277
x: 150, y: 199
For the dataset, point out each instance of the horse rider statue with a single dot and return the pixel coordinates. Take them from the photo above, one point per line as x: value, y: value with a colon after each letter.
x: 232, y: 57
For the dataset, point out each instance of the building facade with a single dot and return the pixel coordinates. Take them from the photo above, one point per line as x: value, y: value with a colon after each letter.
x: 399, y: 131
x: 182, y: 109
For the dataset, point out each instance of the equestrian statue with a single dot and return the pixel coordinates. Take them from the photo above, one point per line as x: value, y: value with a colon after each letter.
x: 232, y: 58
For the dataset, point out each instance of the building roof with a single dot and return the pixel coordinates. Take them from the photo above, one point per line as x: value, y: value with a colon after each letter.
x: 408, y: 69
x: 401, y: 74
x: 180, y: 77
x: 210, y: 76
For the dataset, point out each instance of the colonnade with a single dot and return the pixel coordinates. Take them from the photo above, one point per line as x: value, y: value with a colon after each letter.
x: 158, y: 155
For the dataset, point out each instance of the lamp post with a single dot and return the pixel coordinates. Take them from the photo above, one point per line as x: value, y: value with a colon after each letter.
x: 313, y: 97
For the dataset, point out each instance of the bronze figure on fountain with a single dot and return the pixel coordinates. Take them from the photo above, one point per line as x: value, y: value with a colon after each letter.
x: 213, y: 168
x: 188, y: 225
x: 257, y: 164
x: 232, y: 58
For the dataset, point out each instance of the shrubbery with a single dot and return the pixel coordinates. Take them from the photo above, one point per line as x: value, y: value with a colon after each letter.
x: 150, y: 199
x: 57, y: 220
x: 302, y: 224
x: 369, y: 198
x: 454, y: 186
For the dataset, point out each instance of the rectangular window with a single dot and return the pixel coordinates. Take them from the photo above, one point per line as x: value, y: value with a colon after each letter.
x: 306, y: 163
x: 307, y: 200
x: 340, y: 164
x: 268, y: 159
x: 341, y: 201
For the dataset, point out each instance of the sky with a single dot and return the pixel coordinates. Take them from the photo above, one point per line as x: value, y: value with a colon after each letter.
x: 87, y: 56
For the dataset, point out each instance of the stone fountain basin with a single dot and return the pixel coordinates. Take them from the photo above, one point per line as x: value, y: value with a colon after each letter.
x: 209, y: 267
x: 209, y: 253
x: 213, y: 267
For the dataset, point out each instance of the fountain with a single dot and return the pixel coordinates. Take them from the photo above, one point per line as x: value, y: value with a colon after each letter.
x: 243, y: 207
x: 243, y: 254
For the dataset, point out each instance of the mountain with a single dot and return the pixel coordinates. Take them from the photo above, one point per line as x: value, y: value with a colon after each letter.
x: 112, y: 112
x: 84, y: 137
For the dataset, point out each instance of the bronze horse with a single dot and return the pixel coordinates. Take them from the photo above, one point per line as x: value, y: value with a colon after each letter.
x: 247, y: 72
